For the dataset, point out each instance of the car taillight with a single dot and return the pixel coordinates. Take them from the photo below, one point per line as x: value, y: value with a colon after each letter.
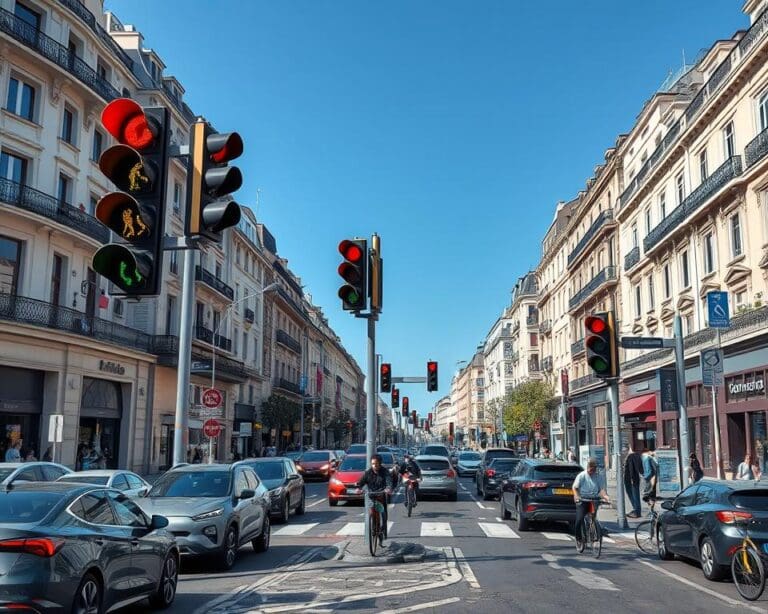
x: 729, y: 516
x: 39, y: 546
x: 535, y: 485
x: 490, y: 472
x: 451, y: 474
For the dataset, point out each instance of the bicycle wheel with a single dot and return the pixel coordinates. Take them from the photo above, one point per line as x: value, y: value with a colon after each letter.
x: 748, y: 573
x: 646, y: 537
x: 373, y: 532
x: 596, y: 538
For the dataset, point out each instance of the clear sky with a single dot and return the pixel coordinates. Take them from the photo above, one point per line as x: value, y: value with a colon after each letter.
x: 451, y: 128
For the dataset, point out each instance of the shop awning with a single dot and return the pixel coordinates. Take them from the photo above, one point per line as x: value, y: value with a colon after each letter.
x: 639, y: 405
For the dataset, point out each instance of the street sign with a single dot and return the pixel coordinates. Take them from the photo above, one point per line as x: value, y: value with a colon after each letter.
x: 211, y: 398
x: 641, y: 343
x: 717, y: 310
x: 211, y: 428
x: 712, y: 367
x: 555, y: 428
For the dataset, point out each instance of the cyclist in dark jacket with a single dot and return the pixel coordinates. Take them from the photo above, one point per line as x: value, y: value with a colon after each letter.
x: 378, y: 478
x: 410, y: 467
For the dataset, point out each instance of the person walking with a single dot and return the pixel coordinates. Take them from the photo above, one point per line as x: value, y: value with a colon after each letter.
x: 650, y: 476
x: 633, y: 470
x: 695, y: 472
x: 572, y: 455
x: 13, y: 454
x: 748, y: 470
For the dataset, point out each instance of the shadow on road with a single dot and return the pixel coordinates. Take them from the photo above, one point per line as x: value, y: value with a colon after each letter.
x: 248, y: 562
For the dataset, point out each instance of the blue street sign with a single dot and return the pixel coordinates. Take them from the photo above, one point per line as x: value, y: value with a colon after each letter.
x: 717, y: 307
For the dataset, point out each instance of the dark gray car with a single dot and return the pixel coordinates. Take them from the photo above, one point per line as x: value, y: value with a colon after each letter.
x: 285, y: 485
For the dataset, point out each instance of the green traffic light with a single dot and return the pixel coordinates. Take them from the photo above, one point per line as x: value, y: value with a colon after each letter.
x: 600, y: 365
x: 125, y: 275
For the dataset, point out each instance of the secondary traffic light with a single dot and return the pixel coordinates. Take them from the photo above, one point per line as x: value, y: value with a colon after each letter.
x: 600, y: 342
x: 210, y: 181
x: 431, y: 376
x: 405, y: 406
x: 354, y: 272
x: 138, y: 166
x: 395, y: 398
x: 414, y: 418
x: 386, y: 377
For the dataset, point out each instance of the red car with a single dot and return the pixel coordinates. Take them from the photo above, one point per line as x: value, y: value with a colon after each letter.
x: 343, y: 484
x: 317, y: 464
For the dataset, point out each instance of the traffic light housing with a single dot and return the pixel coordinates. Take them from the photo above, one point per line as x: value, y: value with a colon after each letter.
x: 431, y: 376
x: 386, y: 377
x: 210, y: 181
x: 354, y: 271
x: 395, y: 398
x: 138, y: 166
x: 405, y: 406
x: 600, y: 342
x: 414, y: 419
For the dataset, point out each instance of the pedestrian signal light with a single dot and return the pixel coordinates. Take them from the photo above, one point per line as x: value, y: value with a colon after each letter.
x: 354, y: 272
x: 386, y: 377
x: 601, y: 346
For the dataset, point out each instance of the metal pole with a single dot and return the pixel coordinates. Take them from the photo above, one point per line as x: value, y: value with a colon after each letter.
x: 716, y: 421
x: 213, y: 370
x: 683, y: 420
x: 370, y: 415
x: 613, y: 399
x: 181, y: 426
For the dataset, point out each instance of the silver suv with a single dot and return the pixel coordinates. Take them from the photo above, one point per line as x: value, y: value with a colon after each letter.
x: 212, y: 509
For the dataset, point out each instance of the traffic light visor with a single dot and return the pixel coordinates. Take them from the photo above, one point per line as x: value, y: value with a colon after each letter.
x: 124, y: 167
x: 351, y: 251
x: 595, y: 325
x: 224, y: 147
x: 125, y: 120
x: 597, y: 344
x: 599, y: 364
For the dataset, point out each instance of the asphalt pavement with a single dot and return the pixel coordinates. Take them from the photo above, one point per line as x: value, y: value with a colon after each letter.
x: 477, y: 562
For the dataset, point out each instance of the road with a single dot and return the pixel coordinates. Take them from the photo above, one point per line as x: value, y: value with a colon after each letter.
x: 480, y: 563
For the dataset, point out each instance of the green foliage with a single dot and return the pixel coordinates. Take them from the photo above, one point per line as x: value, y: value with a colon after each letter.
x: 278, y: 412
x: 525, y: 404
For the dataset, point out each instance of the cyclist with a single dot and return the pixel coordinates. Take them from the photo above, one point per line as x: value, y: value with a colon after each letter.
x: 378, y: 478
x: 591, y: 485
x: 412, y: 468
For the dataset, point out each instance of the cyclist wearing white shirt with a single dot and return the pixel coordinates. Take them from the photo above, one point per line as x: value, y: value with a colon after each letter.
x: 588, y: 484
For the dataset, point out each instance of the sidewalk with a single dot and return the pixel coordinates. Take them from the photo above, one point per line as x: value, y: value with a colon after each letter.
x: 607, y: 513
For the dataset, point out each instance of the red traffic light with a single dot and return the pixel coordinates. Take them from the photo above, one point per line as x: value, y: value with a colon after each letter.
x: 224, y: 147
x: 351, y: 251
x: 432, y: 366
x: 595, y: 325
x: 125, y: 120
x: 385, y: 368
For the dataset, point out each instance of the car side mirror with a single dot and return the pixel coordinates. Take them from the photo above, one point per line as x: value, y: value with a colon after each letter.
x: 293, y: 477
x: 667, y: 505
x: 247, y: 493
x: 157, y: 522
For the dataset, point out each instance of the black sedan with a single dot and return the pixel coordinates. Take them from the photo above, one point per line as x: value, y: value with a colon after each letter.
x: 497, y: 471
x: 706, y: 521
x: 285, y: 485
x: 81, y: 549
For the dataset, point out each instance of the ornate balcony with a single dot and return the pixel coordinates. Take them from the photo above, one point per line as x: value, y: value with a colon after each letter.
x: 532, y: 320
x: 607, y: 275
x: 57, y: 53
x: 284, y: 339
x: 583, y: 382
x: 166, y: 347
x: 249, y: 315
x: 605, y: 217
x: 283, y: 384
x: 577, y: 347
x: 214, y: 282
x: 205, y: 334
x: 632, y: 258
x: 756, y: 149
x: 545, y: 326
x: 715, y: 182
x: 24, y: 197
x: 547, y: 364
x: 657, y: 154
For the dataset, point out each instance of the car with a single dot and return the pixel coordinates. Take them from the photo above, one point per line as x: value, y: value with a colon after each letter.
x: 285, y: 485
x: 438, y: 477
x: 357, y: 448
x: 703, y: 523
x: 33, y: 471
x: 317, y: 464
x: 294, y: 455
x: 126, y: 482
x: 388, y: 460
x: 499, y: 469
x: 340, y: 454
x: 435, y: 450
x: 488, y: 456
x: 343, y: 484
x: 467, y: 463
x: 539, y: 489
x: 212, y: 509
x: 82, y: 548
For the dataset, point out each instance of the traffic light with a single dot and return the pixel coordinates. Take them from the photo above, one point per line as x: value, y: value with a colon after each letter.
x: 376, y: 278
x: 138, y: 166
x: 431, y: 376
x: 395, y: 398
x: 210, y: 181
x: 405, y: 406
x: 354, y: 272
x: 600, y: 341
x: 386, y: 377
x: 414, y: 418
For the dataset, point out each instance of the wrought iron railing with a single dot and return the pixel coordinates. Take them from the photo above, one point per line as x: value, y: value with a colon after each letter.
x: 24, y: 197
x: 756, y: 149
x: 547, y: 363
x: 206, y: 334
x: 214, y: 282
x: 545, y: 326
x: 577, y: 347
x: 637, y: 180
x: 289, y: 300
x: 285, y: 384
x: 632, y: 258
x: 605, y: 216
x: 181, y: 107
x: 166, y: 347
x: 605, y: 275
x: 57, y: 53
x: 583, y: 382
x: 249, y: 315
x: 285, y: 339
x: 725, y: 172
x: 532, y: 320
x: 756, y: 30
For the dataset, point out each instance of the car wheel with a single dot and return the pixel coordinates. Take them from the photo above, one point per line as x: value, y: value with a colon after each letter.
x: 261, y: 543
x: 661, y: 547
x: 333, y: 502
x: 710, y: 568
x: 522, y: 522
x: 505, y: 513
x: 302, y: 504
x: 229, y: 549
x: 285, y: 510
x: 88, y: 597
x: 163, y: 597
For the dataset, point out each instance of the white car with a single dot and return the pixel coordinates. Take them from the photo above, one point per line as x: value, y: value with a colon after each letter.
x: 468, y: 463
x: 31, y: 471
x: 125, y: 481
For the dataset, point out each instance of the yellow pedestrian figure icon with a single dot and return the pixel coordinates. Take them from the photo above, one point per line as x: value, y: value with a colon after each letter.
x: 128, y: 224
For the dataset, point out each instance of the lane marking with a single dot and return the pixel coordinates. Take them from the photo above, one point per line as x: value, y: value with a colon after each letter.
x: 436, y: 529
x: 557, y: 536
x: 295, y: 529
x: 583, y: 577
x: 318, y: 502
x: 466, y: 570
x: 422, y: 606
x: 357, y: 529
x: 609, y: 539
x: 492, y: 529
x: 499, y: 519
x: 481, y: 506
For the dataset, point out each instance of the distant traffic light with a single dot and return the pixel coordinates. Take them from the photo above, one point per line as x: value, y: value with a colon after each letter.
x: 210, y: 209
x: 431, y: 376
x: 414, y: 418
x: 395, y: 398
x: 386, y: 377
x: 405, y: 406
x: 600, y: 342
x: 138, y: 166
x: 354, y: 272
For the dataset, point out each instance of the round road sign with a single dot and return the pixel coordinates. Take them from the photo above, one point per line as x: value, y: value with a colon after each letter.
x: 211, y: 428
x: 211, y: 398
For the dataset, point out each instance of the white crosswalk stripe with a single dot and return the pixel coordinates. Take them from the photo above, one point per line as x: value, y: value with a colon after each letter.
x: 436, y: 529
x: 295, y: 529
x: 495, y: 529
x: 557, y: 536
x: 358, y: 528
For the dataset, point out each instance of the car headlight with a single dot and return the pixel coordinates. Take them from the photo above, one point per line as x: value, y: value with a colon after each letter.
x: 324, y: 467
x: 208, y: 515
x: 277, y: 491
x: 337, y: 481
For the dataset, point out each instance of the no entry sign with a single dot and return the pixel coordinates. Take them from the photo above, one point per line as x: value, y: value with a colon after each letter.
x: 211, y: 398
x: 211, y: 428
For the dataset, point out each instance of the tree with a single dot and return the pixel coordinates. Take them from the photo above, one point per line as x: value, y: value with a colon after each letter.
x: 528, y: 402
x: 278, y: 412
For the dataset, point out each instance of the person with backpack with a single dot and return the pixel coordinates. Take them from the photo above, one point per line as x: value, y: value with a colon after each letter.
x: 650, y: 476
x: 695, y: 472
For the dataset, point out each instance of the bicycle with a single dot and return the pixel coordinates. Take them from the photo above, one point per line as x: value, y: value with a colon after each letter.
x: 591, y: 531
x: 410, y: 492
x: 647, y: 532
x: 747, y: 567
x: 376, y: 528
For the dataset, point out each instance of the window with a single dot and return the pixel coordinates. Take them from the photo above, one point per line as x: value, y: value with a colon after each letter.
x: 736, y: 247
x: 64, y: 189
x: 728, y: 146
x: 534, y: 340
x: 118, y: 307
x: 648, y: 221
x: 173, y: 262
x: 92, y: 202
x: 662, y: 205
x: 128, y: 513
x: 176, y: 196
x: 27, y: 15
x: 10, y: 257
x: 703, y: 165
x: 21, y: 99
x: 739, y: 298
x: 709, y: 253
x: 102, y: 69
x: 170, y: 315
x: 635, y: 242
x: 638, y: 302
x: 245, y: 345
x: 763, y: 111
x: 667, y: 282
x: 687, y: 324
x: 13, y: 168
x: 94, y: 508
x: 68, y: 126
x: 680, y: 187
x: 651, y: 294
x: 97, y: 146
x: 685, y: 278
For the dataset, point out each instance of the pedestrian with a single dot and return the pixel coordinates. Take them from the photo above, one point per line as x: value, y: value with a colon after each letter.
x: 13, y: 454
x: 48, y: 456
x: 572, y: 455
x: 748, y: 470
x: 650, y: 476
x: 30, y: 456
x: 695, y: 472
x: 633, y: 470
x: 197, y: 457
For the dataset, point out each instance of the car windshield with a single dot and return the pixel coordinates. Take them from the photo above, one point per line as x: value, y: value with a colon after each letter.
x: 85, y: 479
x: 315, y: 457
x: 192, y: 484
x: 269, y: 471
x: 504, y: 464
x: 491, y: 454
x: 353, y: 463
x: 432, y: 465
x: 436, y: 451
x: 387, y: 458
x: 553, y: 472
x: 19, y: 506
x: 469, y: 456
x: 751, y: 500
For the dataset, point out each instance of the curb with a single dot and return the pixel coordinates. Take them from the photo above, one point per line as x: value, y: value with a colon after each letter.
x: 393, y: 552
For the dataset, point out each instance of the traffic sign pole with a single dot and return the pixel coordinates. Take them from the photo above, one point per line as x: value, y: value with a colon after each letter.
x: 716, y: 421
x: 613, y: 399
x: 683, y: 447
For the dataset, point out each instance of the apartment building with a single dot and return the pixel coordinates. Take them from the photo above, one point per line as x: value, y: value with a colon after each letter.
x: 442, y: 414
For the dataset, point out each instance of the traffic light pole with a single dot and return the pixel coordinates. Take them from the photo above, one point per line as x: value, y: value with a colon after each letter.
x: 683, y: 420
x: 370, y: 416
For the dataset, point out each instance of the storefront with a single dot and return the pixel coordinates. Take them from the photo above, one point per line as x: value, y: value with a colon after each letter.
x: 101, y: 412
x: 21, y: 406
x: 638, y: 421
x: 242, y: 441
x: 745, y: 408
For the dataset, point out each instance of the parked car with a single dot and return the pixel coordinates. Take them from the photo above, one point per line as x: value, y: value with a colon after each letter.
x: 357, y: 448
x: 126, y: 482
x: 343, y: 484
x: 499, y: 470
x: 285, y: 485
x: 212, y: 509
x: 438, y: 476
x: 488, y: 457
x: 82, y: 549
x: 467, y: 463
x: 435, y: 450
x: 317, y: 464
x: 539, y: 490
x: 33, y: 471
x: 703, y: 522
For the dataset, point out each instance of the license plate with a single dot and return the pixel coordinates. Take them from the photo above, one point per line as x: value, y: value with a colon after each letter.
x: 430, y: 478
x: 353, y: 491
x: 562, y: 491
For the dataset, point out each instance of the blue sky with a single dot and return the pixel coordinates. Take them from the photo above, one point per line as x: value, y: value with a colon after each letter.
x: 451, y: 128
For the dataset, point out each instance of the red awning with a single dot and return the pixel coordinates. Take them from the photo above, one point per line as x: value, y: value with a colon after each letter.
x: 639, y: 405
